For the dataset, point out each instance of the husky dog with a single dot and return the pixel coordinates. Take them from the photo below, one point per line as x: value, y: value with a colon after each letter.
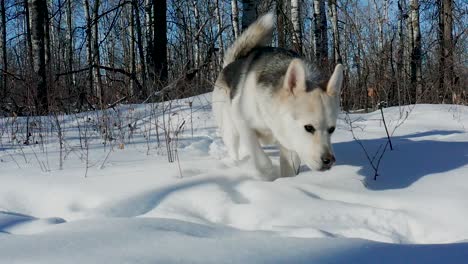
x: 267, y: 95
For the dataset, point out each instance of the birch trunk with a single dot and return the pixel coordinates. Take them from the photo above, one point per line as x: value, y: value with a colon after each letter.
x: 333, y: 11
x: 320, y: 34
x: 295, y: 19
x: 219, y: 19
x: 380, y: 21
x: 38, y: 11
x: 235, y: 18
x: 197, y: 37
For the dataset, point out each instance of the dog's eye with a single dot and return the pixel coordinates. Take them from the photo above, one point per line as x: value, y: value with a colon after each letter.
x: 309, y: 128
x: 331, y: 130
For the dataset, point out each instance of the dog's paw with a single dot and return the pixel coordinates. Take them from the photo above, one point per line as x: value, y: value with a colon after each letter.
x: 268, y: 174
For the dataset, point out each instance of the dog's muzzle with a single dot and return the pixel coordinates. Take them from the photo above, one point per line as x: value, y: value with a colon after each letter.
x: 327, y: 161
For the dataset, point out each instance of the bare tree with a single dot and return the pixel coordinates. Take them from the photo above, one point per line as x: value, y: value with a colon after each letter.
x: 400, y: 71
x: 94, y: 51
x: 160, y: 41
x: 380, y: 65
x: 295, y: 19
x: 219, y: 20
x: 320, y: 34
x: 27, y: 23
x: 446, y: 47
x: 381, y: 12
x: 235, y: 18
x: 47, y: 40
x: 139, y: 43
x: 197, y: 51
x: 333, y: 14
x: 149, y: 34
x: 4, y: 50
x: 38, y: 19
x: 280, y: 23
x: 131, y: 32
x: 89, y: 51
x: 70, y: 62
x: 249, y: 12
x: 416, y: 74
x: 96, y: 54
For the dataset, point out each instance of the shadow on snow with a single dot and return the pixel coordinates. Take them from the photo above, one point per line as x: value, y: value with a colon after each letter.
x: 410, y: 160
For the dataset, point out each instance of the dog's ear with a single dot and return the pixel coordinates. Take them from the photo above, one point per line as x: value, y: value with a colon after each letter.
x: 295, y: 79
x: 334, y: 84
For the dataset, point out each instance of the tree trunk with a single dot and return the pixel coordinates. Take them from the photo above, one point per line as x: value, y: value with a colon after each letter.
x: 96, y: 55
x: 38, y: 12
x: 4, y: 51
x: 320, y: 34
x: 160, y: 42
x: 400, y: 80
x: 336, y: 54
x: 70, y: 78
x: 235, y: 18
x: 139, y: 41
x: 416, y: 74
x: 47, y: 38
x: 380, y: 23
x: 280, y: 23
x: 219, y: 19
x: 57, y: 39
x: 89, y: 51
x: 446, y: 47
x: 295, y: 19
x: 197, y: 51
x: 381, y: 62
x: 185, y: 35
x: 249, y: 14
x: 149, y: 42
x: 28, y: 31
x: 131, y: 32
x: 48, y: 52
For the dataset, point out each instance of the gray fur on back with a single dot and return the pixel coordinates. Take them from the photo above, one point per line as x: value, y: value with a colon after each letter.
x: 270, y: 65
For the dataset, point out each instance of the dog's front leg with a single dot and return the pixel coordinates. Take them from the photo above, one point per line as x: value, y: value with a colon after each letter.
x: 289, y: 162
x: 261, y: 161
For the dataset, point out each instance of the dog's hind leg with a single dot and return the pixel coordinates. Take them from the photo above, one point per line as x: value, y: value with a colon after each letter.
x: 223, y: 117
x: 230, y: 135
x: 289, y: 162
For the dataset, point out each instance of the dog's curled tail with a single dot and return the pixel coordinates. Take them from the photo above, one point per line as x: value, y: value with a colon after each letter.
x: 257, y: 34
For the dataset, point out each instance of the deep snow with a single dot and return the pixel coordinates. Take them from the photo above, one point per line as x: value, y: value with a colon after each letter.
x: 135, y: 207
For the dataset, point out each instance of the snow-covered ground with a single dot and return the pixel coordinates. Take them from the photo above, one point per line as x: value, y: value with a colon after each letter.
x: 135, y: 207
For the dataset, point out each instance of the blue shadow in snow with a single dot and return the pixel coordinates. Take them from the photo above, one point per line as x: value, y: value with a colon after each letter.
x: 410, y: 160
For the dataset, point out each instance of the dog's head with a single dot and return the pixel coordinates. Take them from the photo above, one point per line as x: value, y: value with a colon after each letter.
x: 308, y: 114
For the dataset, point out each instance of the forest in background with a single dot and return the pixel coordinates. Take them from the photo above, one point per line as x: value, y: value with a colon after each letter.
x: 67, y: 56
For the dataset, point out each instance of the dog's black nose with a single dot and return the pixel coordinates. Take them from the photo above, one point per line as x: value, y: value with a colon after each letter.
x: 328, y: 160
